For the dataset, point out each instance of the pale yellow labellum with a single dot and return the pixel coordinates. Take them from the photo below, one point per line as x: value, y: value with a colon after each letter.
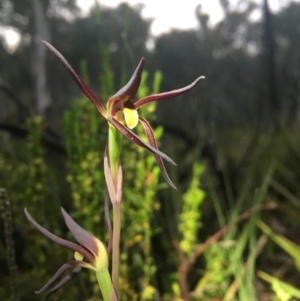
x: 78, y: 256
x: 131, y: 117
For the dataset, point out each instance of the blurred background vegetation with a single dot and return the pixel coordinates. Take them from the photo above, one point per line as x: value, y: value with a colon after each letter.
x: 231, y: 232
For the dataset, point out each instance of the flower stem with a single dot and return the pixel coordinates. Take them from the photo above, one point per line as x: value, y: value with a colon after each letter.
x: 104, y: 281
x: 116, y: 245
x: 114, y: 150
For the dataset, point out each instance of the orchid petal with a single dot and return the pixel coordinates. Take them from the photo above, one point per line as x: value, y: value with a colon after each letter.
x: 85, y: 89
x: 129, y: 90
x: 59, y: 272
x: 87, y: 240
x: 166, y: 95
x: 136, y: 139
x: 152, y: 140
x: 60, y: 241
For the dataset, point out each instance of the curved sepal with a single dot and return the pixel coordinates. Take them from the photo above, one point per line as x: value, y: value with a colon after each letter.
x: 152, y: 141
x: 166, y: 95
x: 60, y: 241
x: 129, y: 90
x: 65, y: 280
x: 136, y: 139
x: 85, y: 89
x: 58, y: 273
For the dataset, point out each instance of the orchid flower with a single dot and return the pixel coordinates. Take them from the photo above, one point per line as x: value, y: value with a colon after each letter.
x: 121, y: 112
x: 90, y: 253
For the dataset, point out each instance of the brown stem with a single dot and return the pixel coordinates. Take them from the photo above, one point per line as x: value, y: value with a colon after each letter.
x: 185, y: 263
x: 182, y: 272
x: 218, y: 235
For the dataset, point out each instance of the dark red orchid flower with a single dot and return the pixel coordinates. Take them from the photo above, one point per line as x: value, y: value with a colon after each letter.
x: 89, y: 253
x: 121, y: 110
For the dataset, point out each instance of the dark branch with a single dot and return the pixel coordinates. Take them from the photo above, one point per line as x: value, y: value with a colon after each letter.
x: 49, y: 137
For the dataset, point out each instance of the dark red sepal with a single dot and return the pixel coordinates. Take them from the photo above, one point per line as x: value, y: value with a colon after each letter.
x: 85, y: 89
x: 152, y: 141
x: 166, y: 95
x: 136, y: 139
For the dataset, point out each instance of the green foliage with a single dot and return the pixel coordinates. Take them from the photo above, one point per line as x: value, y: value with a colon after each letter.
x: 283, y: 291
x: 36, y: 189
x: 81, y: 129
x: 139, y: 208
x: 239, y: 145
x: 227, y: 269
x: 230, y: 263
x: 26, y: 175
x: 190, y: 216
x: 288, y: 246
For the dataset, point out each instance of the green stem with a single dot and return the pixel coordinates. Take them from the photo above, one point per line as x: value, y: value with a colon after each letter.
x: 114, y: 150
x: 105, y: 284
x: 116, y: 245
